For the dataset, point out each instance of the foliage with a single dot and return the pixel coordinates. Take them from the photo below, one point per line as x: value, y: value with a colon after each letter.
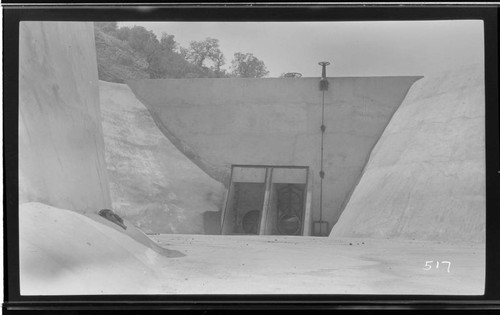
x: 199, y: 51
x: 107, y: 27
x: 168, y: 43
x: 248, y: 66
x: 219, y: 60
x: 116, y: 61
x: 142, y: 40
x: 123, y: 33
x: 124, y: 47
x: 207, y: 50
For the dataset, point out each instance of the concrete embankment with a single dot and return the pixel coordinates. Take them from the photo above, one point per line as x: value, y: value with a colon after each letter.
x: 426, y: 176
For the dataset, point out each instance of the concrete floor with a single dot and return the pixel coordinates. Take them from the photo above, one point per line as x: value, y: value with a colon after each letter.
x: 313, y: 265
x: 66, y: 253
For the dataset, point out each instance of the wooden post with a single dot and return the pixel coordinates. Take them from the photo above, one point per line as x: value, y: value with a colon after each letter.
x: 226, y: 204
x: 265, y: 206
x: 307, y: 211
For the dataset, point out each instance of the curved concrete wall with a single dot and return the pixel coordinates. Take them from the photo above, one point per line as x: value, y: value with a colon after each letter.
x: 219, y: 122
x: 61, y: 147
x: 426, y: 176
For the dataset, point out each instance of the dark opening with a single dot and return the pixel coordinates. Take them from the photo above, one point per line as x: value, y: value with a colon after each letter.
x: 247, y: 207
x: 289, y: 208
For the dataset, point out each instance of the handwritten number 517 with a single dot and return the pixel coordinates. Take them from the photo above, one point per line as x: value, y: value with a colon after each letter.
x: 428, y: 264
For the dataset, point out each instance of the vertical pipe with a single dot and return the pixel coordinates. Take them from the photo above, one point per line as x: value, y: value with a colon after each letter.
x: 322, y: 173
x: 323, y: 86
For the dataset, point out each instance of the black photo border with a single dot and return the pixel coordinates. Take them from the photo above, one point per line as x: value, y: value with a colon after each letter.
x: 13, y: 14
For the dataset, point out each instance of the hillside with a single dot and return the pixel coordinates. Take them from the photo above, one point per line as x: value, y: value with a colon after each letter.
x: 127, y: 54
x: 116, y: 61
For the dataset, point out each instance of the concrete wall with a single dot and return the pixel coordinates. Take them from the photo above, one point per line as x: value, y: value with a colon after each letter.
x: 426, y: 176
x: 219, y: 122
x: 61, y: 148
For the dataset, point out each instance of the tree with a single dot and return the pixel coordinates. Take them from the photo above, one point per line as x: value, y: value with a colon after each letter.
x: 123, y: 33
x: 107, y: 27
x: 248, y: 66
x: 168, y: 43
x: 146, y: 43
x: 165, y: 58
x: 200, y: 51
x: 155, y: 67
x: 142, y: 40
x: 173, y: 65
x: 184, y: 52
x: 219, y: 60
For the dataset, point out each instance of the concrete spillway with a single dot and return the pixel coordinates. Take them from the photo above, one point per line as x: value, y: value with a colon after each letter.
x: 427, y: 170
x: 219, y: 122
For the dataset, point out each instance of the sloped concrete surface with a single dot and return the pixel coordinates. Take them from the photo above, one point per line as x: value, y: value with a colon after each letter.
x: 152, y: 183
x: 425, y: 178
x: 61, y: 147
x: 66, y: 253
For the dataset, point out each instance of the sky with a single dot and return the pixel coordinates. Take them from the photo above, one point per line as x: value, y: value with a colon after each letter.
x: 376, y: 48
